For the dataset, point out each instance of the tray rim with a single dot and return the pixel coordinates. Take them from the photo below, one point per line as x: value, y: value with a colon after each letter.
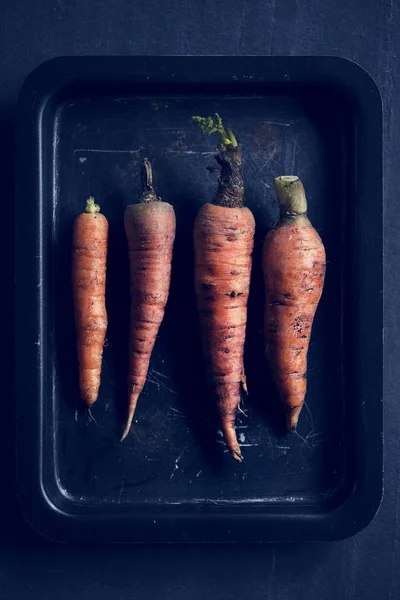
x: 38, y: 90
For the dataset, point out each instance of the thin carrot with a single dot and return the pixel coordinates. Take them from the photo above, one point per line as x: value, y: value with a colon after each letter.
x: 294, y: 272
x: 150, y: 231
x: 89, y: 256
x: 223, y: 243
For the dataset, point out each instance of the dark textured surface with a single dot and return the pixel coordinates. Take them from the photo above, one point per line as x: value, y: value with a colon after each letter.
x: 163, y: 461
x: 363, y: 567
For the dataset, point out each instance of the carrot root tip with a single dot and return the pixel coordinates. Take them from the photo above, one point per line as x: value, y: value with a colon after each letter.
x: 128, y: 423
x: 292, y: 418
x: 241, y: 411
x: 125, y: 433
x: 237, y: 455
x: 91, y: 416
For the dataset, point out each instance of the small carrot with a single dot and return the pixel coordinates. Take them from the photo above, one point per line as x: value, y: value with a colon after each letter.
x: 150, y: 231
x: 89, y: 256
x: 223, y: 243
x: 294, y: 272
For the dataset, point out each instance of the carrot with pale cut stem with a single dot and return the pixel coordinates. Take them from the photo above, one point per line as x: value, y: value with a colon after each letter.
x: 89, y: 257
x: 150, y: 230
x: 294, y: 271
x: 223, y: 243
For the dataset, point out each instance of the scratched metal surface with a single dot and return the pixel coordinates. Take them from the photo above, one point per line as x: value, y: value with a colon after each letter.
x: 175, y: 452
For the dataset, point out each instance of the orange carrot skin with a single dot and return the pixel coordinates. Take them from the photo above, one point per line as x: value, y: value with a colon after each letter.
x: 150, y: 231
x: 223, y: 242
x: 294, y: 271
x: 89, y: 256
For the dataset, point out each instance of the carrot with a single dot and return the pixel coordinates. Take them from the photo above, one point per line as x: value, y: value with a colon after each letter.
x: 223, y: 243
x: 150, y: 231
x: 89, y: 256
x: 294, y: 272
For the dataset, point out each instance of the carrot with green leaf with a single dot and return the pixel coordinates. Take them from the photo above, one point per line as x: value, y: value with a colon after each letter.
x: 89, y: 257
x: 223, y: 243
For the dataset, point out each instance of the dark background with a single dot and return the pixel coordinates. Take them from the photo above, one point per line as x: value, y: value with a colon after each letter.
x: 365, y: 567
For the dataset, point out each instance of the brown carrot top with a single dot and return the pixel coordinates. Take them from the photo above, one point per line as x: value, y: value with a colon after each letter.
x: 148, y: 193
x: 230, y: 190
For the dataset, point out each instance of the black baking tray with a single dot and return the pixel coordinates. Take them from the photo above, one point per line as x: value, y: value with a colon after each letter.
x: 84, y: 126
